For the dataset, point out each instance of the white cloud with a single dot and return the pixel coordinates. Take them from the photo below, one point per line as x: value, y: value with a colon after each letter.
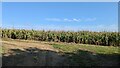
x: 77, y: 20
x: 52, y: 19
x: 71, y: 20
x: 68, y: 20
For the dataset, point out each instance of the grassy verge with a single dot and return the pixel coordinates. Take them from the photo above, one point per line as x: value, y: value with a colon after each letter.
x: 1, y: 51
x: 92, y: 48
x: 89, y: 55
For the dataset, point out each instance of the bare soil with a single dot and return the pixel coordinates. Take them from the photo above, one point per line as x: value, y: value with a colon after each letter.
x: 18, y: 53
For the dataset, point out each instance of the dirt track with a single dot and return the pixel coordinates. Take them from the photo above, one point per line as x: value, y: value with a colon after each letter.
x: 30, y: 54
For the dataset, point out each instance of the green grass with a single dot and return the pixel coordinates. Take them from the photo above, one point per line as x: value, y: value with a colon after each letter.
x: 1, y: 51
x: 93, y: 48
x: 65, y: 48
x: 89, y: 55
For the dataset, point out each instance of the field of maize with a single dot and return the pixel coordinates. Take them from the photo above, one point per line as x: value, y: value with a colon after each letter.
x: 83, y: 37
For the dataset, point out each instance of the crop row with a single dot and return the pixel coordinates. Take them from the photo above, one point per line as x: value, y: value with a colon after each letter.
x: 84, y: 37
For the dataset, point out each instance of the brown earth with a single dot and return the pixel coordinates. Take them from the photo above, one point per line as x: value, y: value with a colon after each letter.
x: 33, y: 54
